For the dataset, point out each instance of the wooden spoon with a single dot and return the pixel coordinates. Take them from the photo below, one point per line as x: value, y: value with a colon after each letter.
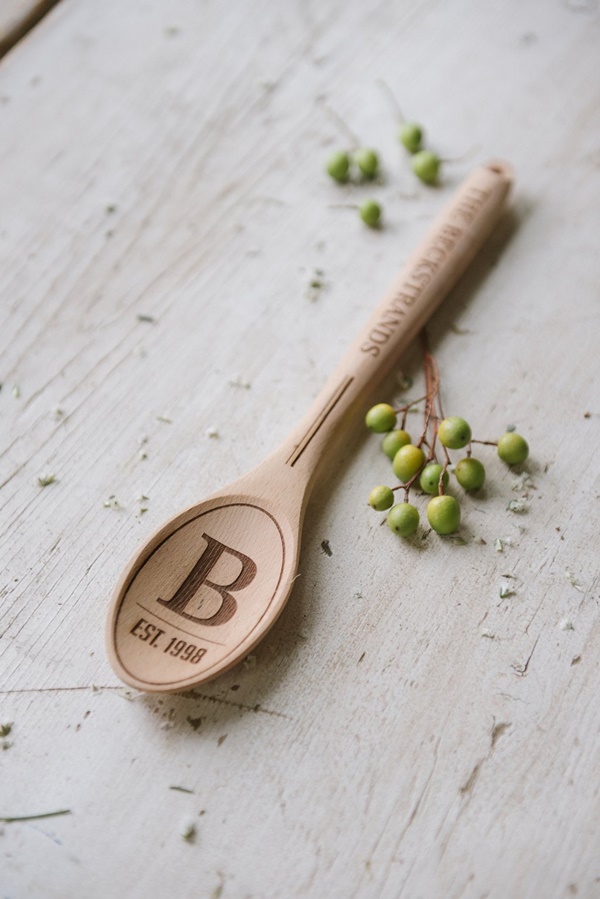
x: 207, y: 586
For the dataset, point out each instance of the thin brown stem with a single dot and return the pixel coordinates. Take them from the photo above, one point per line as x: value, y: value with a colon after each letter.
x: 407, y: 406
x: 441, y: 480
x: 432, y: 383
x: 412, y: 480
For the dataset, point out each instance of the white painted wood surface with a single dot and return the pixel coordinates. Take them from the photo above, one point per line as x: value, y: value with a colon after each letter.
x: 402, y: 732
x: 17, y: 17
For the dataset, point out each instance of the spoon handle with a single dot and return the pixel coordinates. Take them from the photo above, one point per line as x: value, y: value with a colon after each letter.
x: 428, y: 276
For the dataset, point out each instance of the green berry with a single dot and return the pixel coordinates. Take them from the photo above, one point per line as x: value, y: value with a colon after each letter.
x: 381, y: 498
x: 403, y: 519
x: 380, y: 418
x: 407, y: 461
x: 393, y: 441
x: 443, y: 513
x: 411, y: 135
x: 338, y: 165
x: 368, y: 161
x: 370, y: 212
x: 470, y: 474
x: 426, y: 166
x: 430, y: 478
x: 512, y: 448
x: 454, y: 432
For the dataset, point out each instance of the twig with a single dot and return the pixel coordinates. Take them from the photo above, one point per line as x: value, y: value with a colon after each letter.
x: 62, y: 811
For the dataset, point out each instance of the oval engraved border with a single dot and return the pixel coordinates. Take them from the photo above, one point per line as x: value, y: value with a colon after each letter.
x: 224, y: 661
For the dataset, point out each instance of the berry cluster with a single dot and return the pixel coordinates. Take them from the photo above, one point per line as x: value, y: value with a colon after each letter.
x: 363, y: 162
x: 418, y: 462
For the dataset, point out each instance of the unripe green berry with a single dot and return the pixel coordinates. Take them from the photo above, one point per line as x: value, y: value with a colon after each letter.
x: 393, y: 441
x: 443, y: 513
x: 454, y: 432
x: 470, y: 474
x: 370, y: 212
x: 403, y: 519
x: 407, y: 461
x: 411, y: 135
x: 380, y: 418
x: 338, y: 165
x: 368, y: 161
x: 430, y: 478
x: 426, y: 166
x: 512, y: 448
x: 381, y: 498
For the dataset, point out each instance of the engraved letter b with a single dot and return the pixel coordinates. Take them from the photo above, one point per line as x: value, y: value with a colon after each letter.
x: 199, y: 576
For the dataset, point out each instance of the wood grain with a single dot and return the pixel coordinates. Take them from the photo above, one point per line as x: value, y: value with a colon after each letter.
x: 403, y: 731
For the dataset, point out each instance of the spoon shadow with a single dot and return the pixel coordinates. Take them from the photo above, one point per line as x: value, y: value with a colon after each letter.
x: 465, y: 292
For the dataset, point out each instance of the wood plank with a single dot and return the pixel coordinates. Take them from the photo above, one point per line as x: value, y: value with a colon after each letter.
x: 403, y: 731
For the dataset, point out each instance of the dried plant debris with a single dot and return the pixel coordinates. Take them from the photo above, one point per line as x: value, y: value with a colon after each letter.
x: 112, y: 502
x: 506, y: 589
x: 142, y: 442
x: 188, y: 830
x: 405, y: 382
x: 523, y: 482
x: 164, y: 419
x: 181, y: 789
x: 316, y: 285
x: 565, y: 624
x: 517, y: 505
x: 239, y: 381
x: 46, y: 479
x: 6, y: 728
x: 501, y: 542
x: 573, y: 580
x: 129, y: 695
